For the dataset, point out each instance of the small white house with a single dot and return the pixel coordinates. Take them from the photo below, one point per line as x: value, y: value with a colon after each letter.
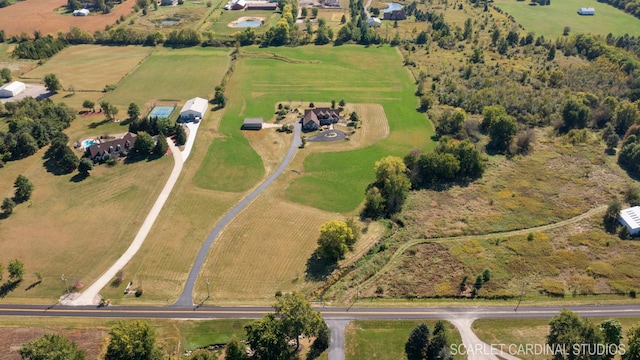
x: 11, y: 89
x: 587, y: 11
x: 81, y: 12
x: 194, y: 109
x: 631, y: 219
x: 374, y: 22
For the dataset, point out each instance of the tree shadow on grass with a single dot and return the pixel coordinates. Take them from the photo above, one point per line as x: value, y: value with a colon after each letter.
x: 319, y: 268
x: 79, y: 177
x: 96, y: 124
x: 8, y: 287
x: 33, y: 285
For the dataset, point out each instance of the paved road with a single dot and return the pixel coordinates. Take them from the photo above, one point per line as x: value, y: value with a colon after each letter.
x: 329, y: 313
x: 90, y: 295
x: 186, y: 298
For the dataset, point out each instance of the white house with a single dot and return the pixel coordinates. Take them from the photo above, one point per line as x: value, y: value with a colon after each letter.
x: 194, y: 109
x: 81, y: 12
x: 374, y: 22
x: 11, y: 89
x: 631, y: 219
x: 587, y: 11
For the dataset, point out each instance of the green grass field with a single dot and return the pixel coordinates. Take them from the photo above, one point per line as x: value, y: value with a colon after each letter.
x: 384, y: 340
x: 223, y: 17
x: 516, y: 332
x: 91, y: 67
x: 172, y: 75
x: 561, y: 13
x: 333, y: 181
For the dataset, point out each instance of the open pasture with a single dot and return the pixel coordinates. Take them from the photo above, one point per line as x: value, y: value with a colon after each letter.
x: 91, y: 67
x: 319, y: 74
x: 172, y: 75
x: 561, y: 13
x: 40, y: 15
x: 219, y: 20
x: 166, y: 18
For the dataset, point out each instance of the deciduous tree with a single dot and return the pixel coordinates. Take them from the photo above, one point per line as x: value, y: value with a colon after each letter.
x: 51, y: 347
x: 334, y: 236
x: 16, y: 270
x: 144, y: 143
x: 394, y: 184
x: 297, y: 316
x: 7, y: 207
x: 51, y: 83
x: 23, y: 189
x: 235, y: 350
x: 132, y: 339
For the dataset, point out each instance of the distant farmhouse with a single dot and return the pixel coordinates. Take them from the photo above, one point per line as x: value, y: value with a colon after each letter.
x: 314, y: 118
x: 81, y: 12
x: 194, y: 109
x: 11, y: 89
x: 261, y: 5
x: 631, y: 219
x: 112, y: 148
x: 236, y: 5
x: 168, y: 2
x: 587, y: 11
x: 395, y: 15
x: 332, y: 3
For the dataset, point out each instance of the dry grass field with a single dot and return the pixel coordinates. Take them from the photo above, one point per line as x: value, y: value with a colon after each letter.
x: 74, y: 228
x: 91, y: 67
x: 40, y: 15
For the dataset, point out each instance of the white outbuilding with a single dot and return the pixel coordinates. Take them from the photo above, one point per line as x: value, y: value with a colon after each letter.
x: 374, y: 22
x: 631, y: 219
x: 11, y: 89
x: 587, y: 11
x: 194, y: 109
x: 81, y: 12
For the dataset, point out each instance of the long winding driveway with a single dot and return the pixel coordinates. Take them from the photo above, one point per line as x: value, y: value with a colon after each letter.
x: 186, y: 298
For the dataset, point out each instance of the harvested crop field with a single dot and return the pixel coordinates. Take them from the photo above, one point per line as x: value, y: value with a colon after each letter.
x: 31, y: 15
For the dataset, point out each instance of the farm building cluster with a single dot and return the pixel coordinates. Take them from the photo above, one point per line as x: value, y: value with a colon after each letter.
x: 12, y: 89
x: 251, y: 5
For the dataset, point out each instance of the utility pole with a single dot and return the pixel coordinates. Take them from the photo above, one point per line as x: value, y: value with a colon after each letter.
x: 519, y: 300
x: 65, y: 283
x: 208, y: 295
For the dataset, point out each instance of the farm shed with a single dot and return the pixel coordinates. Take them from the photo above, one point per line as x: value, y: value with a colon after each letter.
x: 168, y: 2
x: 374, y: 22
x: 194, y: 109
x: 252, y: 124
x: 631, y: 219
x: 81, y: 12
x: 587, y: 11
x: 262, y: 5
x: 11, y: 89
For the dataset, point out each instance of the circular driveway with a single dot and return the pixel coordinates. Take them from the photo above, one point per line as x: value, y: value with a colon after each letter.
x: 328, y: 135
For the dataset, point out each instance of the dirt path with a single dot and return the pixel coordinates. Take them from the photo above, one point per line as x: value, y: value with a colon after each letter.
x: 406, y: 246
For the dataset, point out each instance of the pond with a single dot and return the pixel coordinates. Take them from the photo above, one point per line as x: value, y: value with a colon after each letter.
x: 391, y: 7
x: 248, y: 23
x: 169, y: 22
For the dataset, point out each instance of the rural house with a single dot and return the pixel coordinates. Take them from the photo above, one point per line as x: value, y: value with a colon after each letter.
x: 631, y: 219
x: 11, y: 89
x: 194, y: 109
x: 112, y: 148
x: 395, y: 15
x: 314, y: 118
x: 168, y: 2
x: 81, y: 12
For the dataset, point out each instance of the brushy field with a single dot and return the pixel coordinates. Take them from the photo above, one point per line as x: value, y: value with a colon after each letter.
x: 190, y: 14
x: 517, y: 332
x: 40, y: 15
x: 172, y: 75
x: 384, y: 340
x: 559, y: 14
x: 322, y: 74
x: 174, y: 336
x: 91, y: 67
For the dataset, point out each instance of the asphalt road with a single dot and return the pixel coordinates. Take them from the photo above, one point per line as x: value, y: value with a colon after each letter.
x: 186, y: 298
x: 329, y: 313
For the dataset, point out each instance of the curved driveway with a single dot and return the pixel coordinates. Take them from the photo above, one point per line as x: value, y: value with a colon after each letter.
x: 186, y: 298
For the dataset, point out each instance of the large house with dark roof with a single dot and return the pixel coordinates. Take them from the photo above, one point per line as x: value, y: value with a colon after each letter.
x: 314, y: 118
x: 395, y: 15
x: 112, y: 148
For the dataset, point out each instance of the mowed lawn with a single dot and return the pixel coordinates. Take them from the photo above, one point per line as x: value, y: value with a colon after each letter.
x: 551, y: 20
x: 385, y: 339
x: 172, y: 75
x: 91, y: 67
x: 332, y: 181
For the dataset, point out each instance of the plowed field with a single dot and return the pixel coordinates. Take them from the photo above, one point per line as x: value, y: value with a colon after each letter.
x: 31, y: 15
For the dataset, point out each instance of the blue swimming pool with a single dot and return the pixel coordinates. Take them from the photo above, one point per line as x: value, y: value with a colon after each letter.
x: 88, y: 142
